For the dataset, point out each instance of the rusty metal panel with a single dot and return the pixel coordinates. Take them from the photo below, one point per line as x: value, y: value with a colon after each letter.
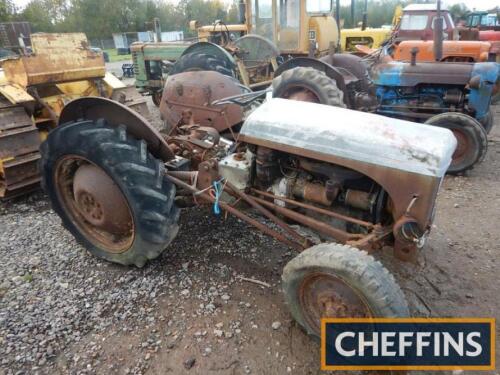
x: 15, y: 117
x: 16, y: 94
x: 19, y: 141
x: 56, y: 58
x: 19, y: 175
x: 194, y: 92
x: 20, y: 169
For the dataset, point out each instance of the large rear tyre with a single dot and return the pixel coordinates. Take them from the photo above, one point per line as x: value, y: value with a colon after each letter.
x: 109, y: 191
x: 472, y: 140
x: 338, y: 281
x: 308, y: 84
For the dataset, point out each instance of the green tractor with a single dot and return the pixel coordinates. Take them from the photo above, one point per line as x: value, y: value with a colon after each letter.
x: 152, y: 62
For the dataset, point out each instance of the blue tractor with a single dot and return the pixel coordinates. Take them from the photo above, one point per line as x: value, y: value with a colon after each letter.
x: 456, y: 96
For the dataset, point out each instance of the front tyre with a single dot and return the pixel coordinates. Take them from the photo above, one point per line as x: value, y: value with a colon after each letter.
x: 488, y: 122
x: 109, y: 191
x: 472, y: 140
x: 338, y: 281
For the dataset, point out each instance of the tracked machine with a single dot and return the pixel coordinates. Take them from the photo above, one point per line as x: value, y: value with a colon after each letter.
x: 34, y: 88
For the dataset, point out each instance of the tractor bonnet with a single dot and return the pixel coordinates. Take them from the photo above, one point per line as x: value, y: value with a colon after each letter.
x: 346, y: 134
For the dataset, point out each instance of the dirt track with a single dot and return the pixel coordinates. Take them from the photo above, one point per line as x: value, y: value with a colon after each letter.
x: 190, y: 308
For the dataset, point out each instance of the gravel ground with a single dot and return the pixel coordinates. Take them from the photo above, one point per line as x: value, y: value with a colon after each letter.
x: 190, y: 311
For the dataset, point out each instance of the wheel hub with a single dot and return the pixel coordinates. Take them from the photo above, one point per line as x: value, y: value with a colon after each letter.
x: 100, y: 201
x: 462, y: 145
x: 302, y: 94
x: 326, y: 296
x: 90, y: 208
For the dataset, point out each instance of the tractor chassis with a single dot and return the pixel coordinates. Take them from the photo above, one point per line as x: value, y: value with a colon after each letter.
x: 199, y: 184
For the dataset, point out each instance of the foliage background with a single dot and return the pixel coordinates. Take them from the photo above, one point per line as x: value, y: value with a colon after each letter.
x: 101, y: 18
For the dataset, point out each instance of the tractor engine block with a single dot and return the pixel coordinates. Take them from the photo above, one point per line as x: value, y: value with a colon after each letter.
x: 420, y: 102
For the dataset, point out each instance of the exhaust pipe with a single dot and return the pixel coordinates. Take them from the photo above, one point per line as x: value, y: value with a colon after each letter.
x: 353, y: 4
x: 365, y: 16
x: 242, y: 10
x: 438, y: 34
x: 157, y: 27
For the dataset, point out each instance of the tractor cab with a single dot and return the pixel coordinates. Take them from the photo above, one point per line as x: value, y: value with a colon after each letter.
x: 417, y: 23
x: 483, y: 21
x: 296, y: 27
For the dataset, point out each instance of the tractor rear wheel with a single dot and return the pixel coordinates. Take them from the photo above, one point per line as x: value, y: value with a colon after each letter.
x: 308, y: 85
x: 109, y: 191
x: 338, y: 281
x: 472, y: 140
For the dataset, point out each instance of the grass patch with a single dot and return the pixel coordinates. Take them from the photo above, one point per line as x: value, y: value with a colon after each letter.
x: 113, y: 55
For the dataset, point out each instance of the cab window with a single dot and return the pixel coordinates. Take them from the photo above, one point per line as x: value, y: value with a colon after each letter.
x: 414, y: 22
x: 262, y: 18
x: 474, y: 20
x: 289, y: 24
x: 319, y: 6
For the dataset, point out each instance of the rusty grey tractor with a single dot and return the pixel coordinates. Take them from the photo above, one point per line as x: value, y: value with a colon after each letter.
x: 356, y: 181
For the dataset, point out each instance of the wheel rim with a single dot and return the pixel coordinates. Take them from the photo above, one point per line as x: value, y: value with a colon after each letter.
x: 94, y: 203
x: 463, y: 145
x: 300, y: 93
x: 323, y: 295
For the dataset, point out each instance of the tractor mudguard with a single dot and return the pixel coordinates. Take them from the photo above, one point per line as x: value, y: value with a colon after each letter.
x: 191, y: 94
x: 94, y: 108
x: 341, y: 76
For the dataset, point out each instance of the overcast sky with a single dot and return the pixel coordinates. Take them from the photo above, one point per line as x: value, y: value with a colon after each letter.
x: 471, y: 4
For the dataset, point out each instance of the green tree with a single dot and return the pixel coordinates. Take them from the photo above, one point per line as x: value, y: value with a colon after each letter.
x: 38, y: 15
x: 7, y: 10
x: 458, y: 11
x: 233, y: 13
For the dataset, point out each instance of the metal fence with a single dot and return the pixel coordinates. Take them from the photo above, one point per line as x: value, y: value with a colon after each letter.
x: 102, y: 43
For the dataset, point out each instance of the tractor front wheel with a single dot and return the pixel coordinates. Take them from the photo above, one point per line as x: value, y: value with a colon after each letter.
x: 338, y: 281
x: 109, y: 191
x: 488, y: 122
x: 472, y: 140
